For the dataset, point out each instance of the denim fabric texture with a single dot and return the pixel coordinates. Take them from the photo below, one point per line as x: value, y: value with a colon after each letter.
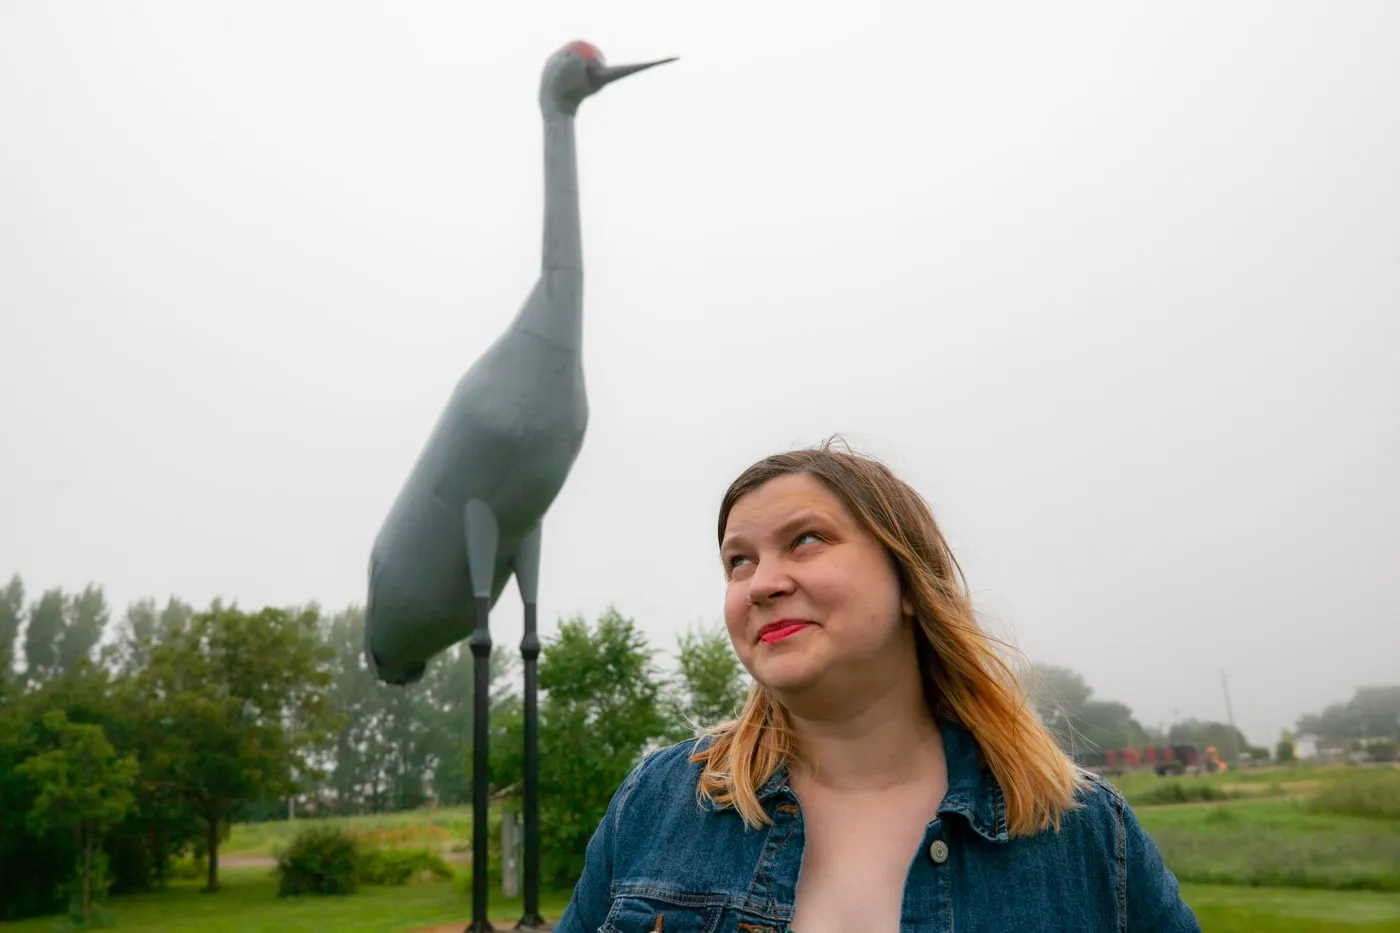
x: 663, y: 860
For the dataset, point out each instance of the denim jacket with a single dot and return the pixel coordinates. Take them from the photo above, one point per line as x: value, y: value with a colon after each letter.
x: 662, y: 860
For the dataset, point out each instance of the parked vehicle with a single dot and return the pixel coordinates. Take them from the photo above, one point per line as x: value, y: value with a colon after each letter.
x: 1163, y: 760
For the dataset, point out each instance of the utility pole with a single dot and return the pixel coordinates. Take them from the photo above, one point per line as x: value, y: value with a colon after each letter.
x: 1230, y: 714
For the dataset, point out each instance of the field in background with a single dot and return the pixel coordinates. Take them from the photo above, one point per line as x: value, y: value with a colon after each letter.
x: 1282, y: 850
x: 1335, y: 828
x: 443, y: 830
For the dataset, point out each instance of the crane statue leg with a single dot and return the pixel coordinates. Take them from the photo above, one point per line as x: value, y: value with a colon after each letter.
x: 483, y: 539
x: 527, y: 574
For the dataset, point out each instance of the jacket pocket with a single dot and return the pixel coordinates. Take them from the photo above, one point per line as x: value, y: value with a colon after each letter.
x: 632, y: 913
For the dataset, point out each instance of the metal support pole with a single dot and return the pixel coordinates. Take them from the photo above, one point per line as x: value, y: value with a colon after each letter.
x: 480, y: 643
x: 1230, y: 715
x: 527, y: 574
x: 530, y: 652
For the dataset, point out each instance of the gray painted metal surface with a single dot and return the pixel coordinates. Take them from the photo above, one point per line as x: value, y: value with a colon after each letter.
x: 469, y: 514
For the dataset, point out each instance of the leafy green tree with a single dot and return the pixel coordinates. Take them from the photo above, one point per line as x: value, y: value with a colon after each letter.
x: 507, y: 750
x: 451, y: 710
x: 355, y: 700
x: 601, y: 710
x: 113, y: 697
x: 380, y: 742
x: 395, y: 745
x: 1059, y: 695
x: 141, y: 620
x: 1371, y: 713
x: 137, y: 633
x: 85, y: 791
x: 19, y: 896
x: 87, y: 618
x: 1110, y: 724
x: 379, y: 745
x: 1285, y: 752
x: 42, y: 637
x: 224, y: 688
x: 11, y: 616
x: 403, y: 755
x: 33, y: 867
x: 1081, y: 723
x: 163, y: 822
x: 174, y: 618
x: 1229, y: 743
x: 711, y: 683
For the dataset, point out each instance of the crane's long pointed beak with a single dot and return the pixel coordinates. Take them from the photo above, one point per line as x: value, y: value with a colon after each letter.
x: 606, y: 74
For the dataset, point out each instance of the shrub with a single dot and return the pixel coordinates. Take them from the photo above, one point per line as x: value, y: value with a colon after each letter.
x: 1221, y: 816
x: 1182, y: 792
x: 321, y: 860
x: 1383, y: 751
x: 188, y: 868
x: 1373, y: 795
x: 400, y: 866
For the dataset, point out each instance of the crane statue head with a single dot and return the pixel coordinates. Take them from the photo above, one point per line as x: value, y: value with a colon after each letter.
x: 577, y: 71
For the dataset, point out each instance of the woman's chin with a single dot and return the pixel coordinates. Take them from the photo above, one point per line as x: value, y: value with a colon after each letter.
x: 788, y: 674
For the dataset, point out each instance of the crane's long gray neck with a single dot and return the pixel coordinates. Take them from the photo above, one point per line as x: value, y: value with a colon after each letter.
x: 556, y: 313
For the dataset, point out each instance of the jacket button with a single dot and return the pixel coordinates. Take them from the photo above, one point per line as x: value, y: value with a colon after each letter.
x: 938, y: 851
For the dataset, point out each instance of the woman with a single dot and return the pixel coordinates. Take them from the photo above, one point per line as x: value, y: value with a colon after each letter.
x: 886, y: 773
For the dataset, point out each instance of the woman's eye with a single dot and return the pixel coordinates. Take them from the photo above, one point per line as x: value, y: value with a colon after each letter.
x: 804, y: 536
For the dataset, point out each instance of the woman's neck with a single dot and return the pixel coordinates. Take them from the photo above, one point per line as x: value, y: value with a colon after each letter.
x: 886, y: 738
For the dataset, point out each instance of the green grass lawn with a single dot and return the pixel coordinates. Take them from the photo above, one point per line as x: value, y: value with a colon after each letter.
x: 1281, y: 843
x: 248, y: 903
x: 1330, y: 872
x: 1224, y: 909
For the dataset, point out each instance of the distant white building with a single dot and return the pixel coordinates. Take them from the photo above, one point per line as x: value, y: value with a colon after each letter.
x: 1305, y: 747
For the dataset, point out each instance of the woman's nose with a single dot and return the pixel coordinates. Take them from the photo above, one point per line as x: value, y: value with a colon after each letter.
x: 770, y: 581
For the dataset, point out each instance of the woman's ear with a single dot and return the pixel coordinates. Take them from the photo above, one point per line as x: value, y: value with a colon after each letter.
x: 906, y: 605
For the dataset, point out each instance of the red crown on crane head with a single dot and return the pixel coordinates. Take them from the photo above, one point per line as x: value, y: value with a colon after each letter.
x: 585, y: 50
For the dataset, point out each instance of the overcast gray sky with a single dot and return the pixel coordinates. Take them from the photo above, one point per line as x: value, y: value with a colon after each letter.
x: 1117, y: 287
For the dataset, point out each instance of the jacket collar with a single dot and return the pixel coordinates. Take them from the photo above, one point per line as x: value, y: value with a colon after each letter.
x: 973, y: 792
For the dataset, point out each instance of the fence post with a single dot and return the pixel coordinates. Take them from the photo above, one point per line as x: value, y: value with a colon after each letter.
x: 510, y: 855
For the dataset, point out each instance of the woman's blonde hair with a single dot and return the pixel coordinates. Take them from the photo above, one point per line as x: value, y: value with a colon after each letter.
x: 965, y: 679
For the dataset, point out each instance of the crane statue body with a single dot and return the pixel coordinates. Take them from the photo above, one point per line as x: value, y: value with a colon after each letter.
x: 469, y: 515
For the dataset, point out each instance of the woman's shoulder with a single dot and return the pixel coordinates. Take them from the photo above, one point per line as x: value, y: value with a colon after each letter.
x: 1099, y: 809
x: 1092, y: 828
x: 1146, y: 888
x: 664, y: 774
x: 659, y: 808
x: 671, y: 760
x: 1098, y: 794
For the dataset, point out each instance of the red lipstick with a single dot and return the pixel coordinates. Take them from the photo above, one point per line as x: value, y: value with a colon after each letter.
x: 780, y: 629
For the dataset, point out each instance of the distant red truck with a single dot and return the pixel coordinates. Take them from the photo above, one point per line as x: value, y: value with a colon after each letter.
x: 1163, y: 759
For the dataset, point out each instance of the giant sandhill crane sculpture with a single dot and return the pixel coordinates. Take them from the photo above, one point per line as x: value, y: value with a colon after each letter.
x: 470, y: 512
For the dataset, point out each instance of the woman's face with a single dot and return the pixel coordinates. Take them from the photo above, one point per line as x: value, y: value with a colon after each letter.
x: 826, y: 604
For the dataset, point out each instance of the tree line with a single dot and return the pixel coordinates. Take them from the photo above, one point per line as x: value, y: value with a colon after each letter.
x: 1084, y: 724
x: 119, y: 755
x: 126, y: 745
